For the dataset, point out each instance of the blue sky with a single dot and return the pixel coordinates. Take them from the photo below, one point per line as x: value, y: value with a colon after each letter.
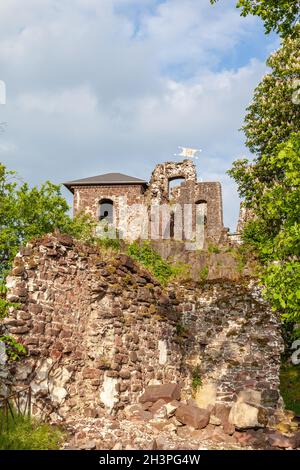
x: 95, y: 86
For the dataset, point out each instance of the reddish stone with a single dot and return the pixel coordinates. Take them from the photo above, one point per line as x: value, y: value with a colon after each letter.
x: 295, y: 441
x: 279, y: 440
x: 167, y: 392
x: 163, y: 300
x: 157, y: 405
x: 25, y: 251
x: 64, y: 240
x: 127, y: 262
x: 221, y: 411
x: 58, y: 345
x: 10, y: 321
x: 136, y: 412
x: 69, y: 347
x: 66, y: 334
x: 89, y: 373
x: 144, y: 295
x: 244, y: 438
x: 39, y: 328
x: 228, y: 428
x: 24, y: 315
x: 55, y: 354
x: 35, y: 308
x: 147, y: 405
x: 125, y: 374
x: 193, y: 416
x: 54, y: 332
x: 20, y: 330
x: 18, y: 270
x: 20, y: 292
x: 133, y: 356
x: 31, y: 340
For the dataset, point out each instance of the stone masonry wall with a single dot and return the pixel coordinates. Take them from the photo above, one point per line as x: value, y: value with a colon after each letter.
x: 233, y: 339
x: 87, y: 198
x: 99, y: 329
x: 164, y: 173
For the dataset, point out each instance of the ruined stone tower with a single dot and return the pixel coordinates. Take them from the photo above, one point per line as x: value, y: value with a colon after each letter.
x: 190, y: 210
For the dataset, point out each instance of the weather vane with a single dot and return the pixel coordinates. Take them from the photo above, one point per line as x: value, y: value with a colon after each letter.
x: 188, y: 153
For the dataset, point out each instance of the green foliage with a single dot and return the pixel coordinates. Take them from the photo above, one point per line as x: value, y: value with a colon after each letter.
x: 196, y: 378
x: 81, y: 227
x: 13, y: 349
x: 277, y: 15
x: 150, y: 259
x: 213, y: 249
x: 271, y: 189
x: 282, y: 288
x: 290, y: 333
x: 274, y: 112
x: 290, y: 387
x: 26, y: 433
x: 26, y: 213
x: 163, y: 271
x: 4, y: 306
x: 181, y: 271
x: 242, y: 254
x: 182, y: 330
x: 112, y: 243
x: 203, y: 274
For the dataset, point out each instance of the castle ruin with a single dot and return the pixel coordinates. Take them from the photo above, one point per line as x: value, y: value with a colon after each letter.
x: 190, y: 210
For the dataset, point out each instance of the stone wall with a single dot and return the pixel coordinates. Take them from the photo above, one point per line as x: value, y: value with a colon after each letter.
x: 87, y: 198
x: 164, y: 173
x: 99, y: 329
x: 189, y: 192
x: 232, y: 338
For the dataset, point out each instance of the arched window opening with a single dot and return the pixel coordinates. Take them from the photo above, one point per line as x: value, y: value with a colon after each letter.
x: 106, y: 210
x: 174, y: 184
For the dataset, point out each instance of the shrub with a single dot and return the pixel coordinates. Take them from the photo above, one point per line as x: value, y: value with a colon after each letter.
x: 196, y: 378
x: 181, y: 271
x: 213, y: 249
x: 26, y: 433
x: 150, y: 259
x: 203, y: 274
x: 13, y: 349
x: 113, y: 243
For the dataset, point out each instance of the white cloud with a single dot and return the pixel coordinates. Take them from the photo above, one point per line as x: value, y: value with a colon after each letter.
x: 77, y: 100
x: 93, y: 87
x: 7, y: 147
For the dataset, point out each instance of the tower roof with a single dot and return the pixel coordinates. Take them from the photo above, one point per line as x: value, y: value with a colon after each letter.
x: 105, y: 179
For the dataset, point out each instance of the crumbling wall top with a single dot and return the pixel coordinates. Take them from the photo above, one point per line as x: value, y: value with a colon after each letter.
x: 168, y: 171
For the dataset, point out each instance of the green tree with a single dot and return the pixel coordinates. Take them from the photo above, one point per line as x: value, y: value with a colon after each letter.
x: 27, y: 212
x: 270, y: 187
x: 278, y: 15
x: 275, y: 109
